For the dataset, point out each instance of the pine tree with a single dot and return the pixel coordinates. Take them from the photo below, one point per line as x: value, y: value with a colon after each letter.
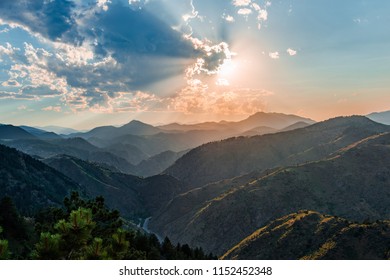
x: 95, y: 251
x: 119, y: 246
x: 48, y: 247
x: 73, y: 239
x: 76, y: 232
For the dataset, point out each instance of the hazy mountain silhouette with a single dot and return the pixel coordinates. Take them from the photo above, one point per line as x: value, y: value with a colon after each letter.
x: 237, y: 156
x: 382, y: 117
x: 109, y: 132
x: 272, y: 120
x: 58, y: 129
x: 41, y: 134
x: 261, y: 130
x: 296, y: 125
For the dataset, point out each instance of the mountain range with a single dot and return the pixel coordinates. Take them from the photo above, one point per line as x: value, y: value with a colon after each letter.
x: 272, y: 186
x: 237, y: 156
x: 350, y: 181
x: 276, y: 121
x: 135, y: 148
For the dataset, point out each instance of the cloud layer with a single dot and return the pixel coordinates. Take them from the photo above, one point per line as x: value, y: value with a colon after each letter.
x: 108, y: 56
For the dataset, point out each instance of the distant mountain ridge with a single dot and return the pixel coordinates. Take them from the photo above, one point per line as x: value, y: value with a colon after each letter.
x: 138, y: 148
x: 272, y: 120
x: 381, y: 117
x: 133, y: 128
x: 237, y: 156
x: 58, y: 129
x: 151, y: 141
x: 41, y: 134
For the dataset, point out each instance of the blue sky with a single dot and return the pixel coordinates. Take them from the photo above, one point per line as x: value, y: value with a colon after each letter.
x: 85, y: 63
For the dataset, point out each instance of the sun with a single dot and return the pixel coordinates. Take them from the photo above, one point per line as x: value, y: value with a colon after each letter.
x: 227, y: 72
x: 227, y: 69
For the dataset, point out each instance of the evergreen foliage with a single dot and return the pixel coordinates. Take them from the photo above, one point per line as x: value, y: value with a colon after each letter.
x: 82, y: 229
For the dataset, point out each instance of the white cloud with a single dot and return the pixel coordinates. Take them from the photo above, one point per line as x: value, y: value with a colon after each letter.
x: 192, y: 14
x: 247, y: 8
x: 256, y: 6
x: 222, y: 82
x: 103, y: 4
x: 52, y: 108
x: 274, y: 55
x: 239, y: 3
x: 73, y: 55
x: 360, y: 20
x: 213, y: 57
x: 136, y: 102
x: 75, y: 76
x: 131, y: 2
x: 222, y: 100
x: 15, y: 95
x: 291, y: 52
x: 244, y: 11
x: 228, y: 18
x: 7, y: 50
x: 10, y: 83
x: 36, y: 71
x: 262, y: 15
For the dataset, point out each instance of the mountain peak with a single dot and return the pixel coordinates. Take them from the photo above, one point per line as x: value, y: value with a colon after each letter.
x: 136, y: 123
x: 274, y: 120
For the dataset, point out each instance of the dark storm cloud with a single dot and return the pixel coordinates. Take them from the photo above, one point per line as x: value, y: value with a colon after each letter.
x: 51, y: 19
x: 119, y: 31
x: 123, y: 31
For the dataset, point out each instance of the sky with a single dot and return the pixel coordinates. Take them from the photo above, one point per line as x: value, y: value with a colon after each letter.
x: 86, y: 63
